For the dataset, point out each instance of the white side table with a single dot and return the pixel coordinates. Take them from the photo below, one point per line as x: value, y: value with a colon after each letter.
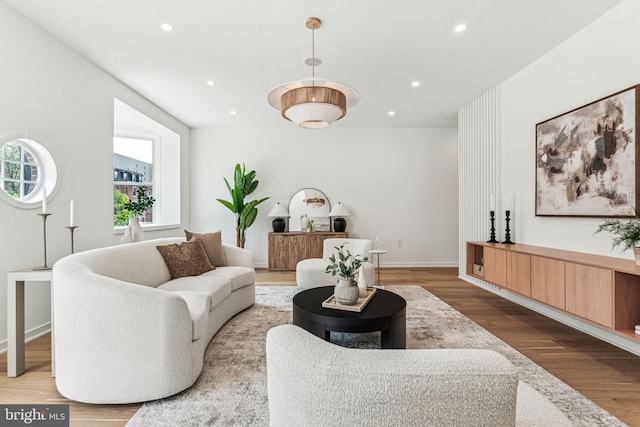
x: 15, y: 317
x: 378, y: 252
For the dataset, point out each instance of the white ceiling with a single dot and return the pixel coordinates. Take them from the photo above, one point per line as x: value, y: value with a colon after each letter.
x: 250, y: 46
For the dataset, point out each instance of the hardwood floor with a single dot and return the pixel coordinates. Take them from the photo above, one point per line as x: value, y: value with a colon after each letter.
x: 36, y: 386
x: 605, y: 374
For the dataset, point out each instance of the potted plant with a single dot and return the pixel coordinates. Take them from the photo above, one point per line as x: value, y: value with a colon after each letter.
x: 625, y: 233
x: 144, y: 202
x: 345, y: 266
x: 246, y: 213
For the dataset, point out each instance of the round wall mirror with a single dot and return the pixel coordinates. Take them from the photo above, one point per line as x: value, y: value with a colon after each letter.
x: 28, y: 172
x: 309, y: 204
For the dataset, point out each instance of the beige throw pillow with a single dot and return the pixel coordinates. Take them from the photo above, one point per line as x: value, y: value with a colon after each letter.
x: 212, y: 243
x: 185, y: 259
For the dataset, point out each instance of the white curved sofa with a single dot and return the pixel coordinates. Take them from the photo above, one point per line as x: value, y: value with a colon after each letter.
x: 311, y: 382
x: 125, y: 332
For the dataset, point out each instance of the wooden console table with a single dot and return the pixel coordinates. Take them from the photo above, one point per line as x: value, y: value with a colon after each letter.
x: 602, y: 290
x: 287, y: 249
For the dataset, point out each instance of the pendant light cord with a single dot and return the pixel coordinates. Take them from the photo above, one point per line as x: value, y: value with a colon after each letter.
x: 313, y: 55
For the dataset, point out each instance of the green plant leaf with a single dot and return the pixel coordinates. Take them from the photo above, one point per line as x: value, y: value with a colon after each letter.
x: 626, y: 233
x: 228, y: 185
x: 251, y: 187
x: 247, y: 217
x: 238, y: 199
x: 229, y: 205
x: 238, y: 178
x: 248, y: 180
x: 261, y: 200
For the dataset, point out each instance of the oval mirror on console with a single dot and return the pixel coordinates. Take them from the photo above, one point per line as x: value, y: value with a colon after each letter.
x: 309, y: 204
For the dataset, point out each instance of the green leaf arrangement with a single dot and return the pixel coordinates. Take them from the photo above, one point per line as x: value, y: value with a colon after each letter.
x: 144, y: 202
x: 346, y: 264
x: 625, y: 233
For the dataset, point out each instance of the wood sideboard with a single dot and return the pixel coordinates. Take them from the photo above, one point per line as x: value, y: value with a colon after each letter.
x: 286, y: 249
x: 602, y: 290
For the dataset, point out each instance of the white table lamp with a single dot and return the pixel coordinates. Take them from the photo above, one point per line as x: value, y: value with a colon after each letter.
x: 279, y: 213
x: 338, y: 212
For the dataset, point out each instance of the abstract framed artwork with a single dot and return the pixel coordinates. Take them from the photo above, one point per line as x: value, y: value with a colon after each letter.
x: 586, y: 159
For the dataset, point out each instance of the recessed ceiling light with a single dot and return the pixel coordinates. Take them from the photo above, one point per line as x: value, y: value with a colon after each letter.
x: 391, y: 113
x: 232, y: 112
x: 415, y: 84
x: 210, y: 83
x: 460, y: 28
x: 167, y: 27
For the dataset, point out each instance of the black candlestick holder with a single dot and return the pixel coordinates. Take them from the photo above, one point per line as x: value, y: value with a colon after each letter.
x: 71, y: 229
x: 507, y: 235
x: 44, y: 232
x: 492, y: 218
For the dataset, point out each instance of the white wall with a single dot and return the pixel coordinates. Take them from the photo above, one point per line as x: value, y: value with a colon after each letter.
x: 479, y: 172
x: 66, y: 104
x: 596, y: 62
x: 399, y: 184
x: 599, y: 60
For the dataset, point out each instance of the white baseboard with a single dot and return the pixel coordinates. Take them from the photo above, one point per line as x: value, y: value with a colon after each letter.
x: 396, y: 264
x: 419, y: 264
x: 581, y: 325
x: 29, y: 335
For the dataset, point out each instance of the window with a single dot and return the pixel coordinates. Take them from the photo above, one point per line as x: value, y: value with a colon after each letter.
x: 18, y: 171
x: 27, y: 171
x: 145, y: 153
x: 132, y: 167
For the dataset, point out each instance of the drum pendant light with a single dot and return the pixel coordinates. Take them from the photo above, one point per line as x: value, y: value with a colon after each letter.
x: 313, y: 103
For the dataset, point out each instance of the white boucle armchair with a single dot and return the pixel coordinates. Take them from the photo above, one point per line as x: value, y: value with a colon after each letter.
x: 310, y: 273
x: 311, y: 382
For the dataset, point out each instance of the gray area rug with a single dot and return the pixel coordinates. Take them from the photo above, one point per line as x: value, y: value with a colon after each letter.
x: 232, y: 389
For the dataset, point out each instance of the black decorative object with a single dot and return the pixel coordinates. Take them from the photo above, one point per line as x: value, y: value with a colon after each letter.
x: 492, y: 216
x: 279, y: 225
x: 278, y: 213
x: 507, y: 235
x: 338, y: 212
x: 339, y: 225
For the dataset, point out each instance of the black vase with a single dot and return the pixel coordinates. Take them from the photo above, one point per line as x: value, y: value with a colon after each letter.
x: 339, y: 225
x: 279, y: 225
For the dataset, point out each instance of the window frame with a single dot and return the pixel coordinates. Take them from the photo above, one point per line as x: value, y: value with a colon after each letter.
x: 21, y: 181
x: 155, y: 156
x: 48, y: 175
x: 168, y: 163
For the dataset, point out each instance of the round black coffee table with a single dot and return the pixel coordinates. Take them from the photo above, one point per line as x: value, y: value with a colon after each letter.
x: 386, y: 312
